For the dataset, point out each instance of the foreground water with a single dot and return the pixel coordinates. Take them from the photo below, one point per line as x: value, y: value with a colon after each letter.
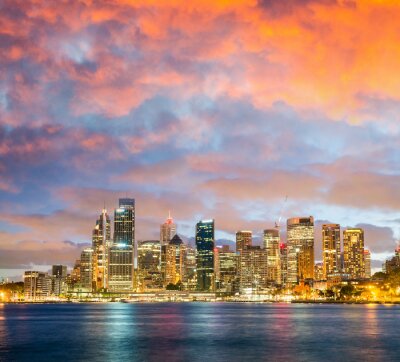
x: 199, y: 332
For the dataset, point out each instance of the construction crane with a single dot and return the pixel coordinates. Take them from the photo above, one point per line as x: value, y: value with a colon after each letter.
x: 278, y: 223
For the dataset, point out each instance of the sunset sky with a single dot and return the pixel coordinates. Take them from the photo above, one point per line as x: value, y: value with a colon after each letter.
x: 210, y: 109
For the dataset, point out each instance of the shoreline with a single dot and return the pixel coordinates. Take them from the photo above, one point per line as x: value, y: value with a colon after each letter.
x: 208, y: 301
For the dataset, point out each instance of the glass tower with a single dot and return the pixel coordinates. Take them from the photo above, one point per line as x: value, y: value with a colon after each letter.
x: 300, y: 249
x: 205, y: 255
x: 331, y: 249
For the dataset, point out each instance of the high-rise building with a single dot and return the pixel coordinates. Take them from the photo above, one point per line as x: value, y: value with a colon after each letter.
x: 367, y: 264
x: 353, y: 253
x: 37, y: 285
x: 175, y: 261
x: 124, y: 223
x: 283, y: 256
x: 59, y: 275
x: 167, y: 230
x: 121, y: 253
x: 300, y: 249
x: 225, y: 265
x: 272, y: 246
x: 331, y: 249
x: 243, y: 239
x: 149, y: 258
x: 101, y: 243
x: 205, y: 255
x: 86, y: 269
x: 190, y: 280
x: 253, y: 261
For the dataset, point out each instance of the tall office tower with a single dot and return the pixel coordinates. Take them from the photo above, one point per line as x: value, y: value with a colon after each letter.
x: 283, y: 255
x: 121, y: 253
x: 205, y: 255
x: 331, y: 249
x: 101, y: 243
x: 124, y: 222
x: 253, y: 276
x: 37, y: 285
x: 190, y: 280
x: 175, y: 261
x: 226, y: 262
x: 243, y: 239
x: 149, y: 257
x: 300, y: 249
x: 59, y: 275
x: 272, y: 246
x: 367, y: 264
x: 167, y: 230
x: 86, y: 269
x: 353, y: 253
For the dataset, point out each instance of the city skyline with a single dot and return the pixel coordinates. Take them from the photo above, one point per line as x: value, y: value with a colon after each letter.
x: 208, y: 109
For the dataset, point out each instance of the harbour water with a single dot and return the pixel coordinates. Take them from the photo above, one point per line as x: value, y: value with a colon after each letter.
x: 199, y: 332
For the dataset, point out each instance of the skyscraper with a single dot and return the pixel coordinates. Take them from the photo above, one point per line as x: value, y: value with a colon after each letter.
x: 272, y: 247
x: 367, y: 264
x: 300, y: 249
x: 167, y: 230
x: 226, y: 262
x: 205, y: 255
x: 149, y: 271
x: 124, y: 222
x: 331, y: 249
x: 243, y: 239
x: 59, y: 275
x: 253, y: 269
x: 175, y: 261
x: 121, y: 254
x: 283, y: 256
x: 86, y: 269
x: 101, y: 243
x: 353, y: 253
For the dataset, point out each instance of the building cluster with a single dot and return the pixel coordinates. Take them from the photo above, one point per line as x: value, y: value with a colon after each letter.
x: 119, y: 264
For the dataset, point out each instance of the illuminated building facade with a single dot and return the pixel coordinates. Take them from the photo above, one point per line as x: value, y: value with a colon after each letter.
x: 331, y: 250
x: 319, y: 272
x: 149, y: 258
x: 37, y: 285
x: 367, y: 264
x: 190, y: 280
x: 121, y: 254
x: 167, y: 231
x: 175, y: 261
x: 272, y: 246
x: 243, y: 239
x: 353, y: 253
x: 205, y: 255
x: 101, y: 243
x: 300, y: 249
x: 86, y: 269
x: 393, y: 263
x: 59, y: 276
x: 226, y: 264
x: 283, y: 256
x: 253, y: 264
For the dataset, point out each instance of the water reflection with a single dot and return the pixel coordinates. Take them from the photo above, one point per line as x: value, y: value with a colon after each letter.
x: 198, y: 332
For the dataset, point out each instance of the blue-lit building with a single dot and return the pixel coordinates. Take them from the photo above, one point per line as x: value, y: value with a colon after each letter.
x: 205, y: 255
x: 121, y: 255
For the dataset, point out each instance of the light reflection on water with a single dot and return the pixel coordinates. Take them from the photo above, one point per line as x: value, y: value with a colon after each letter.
x: 199, y: 332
